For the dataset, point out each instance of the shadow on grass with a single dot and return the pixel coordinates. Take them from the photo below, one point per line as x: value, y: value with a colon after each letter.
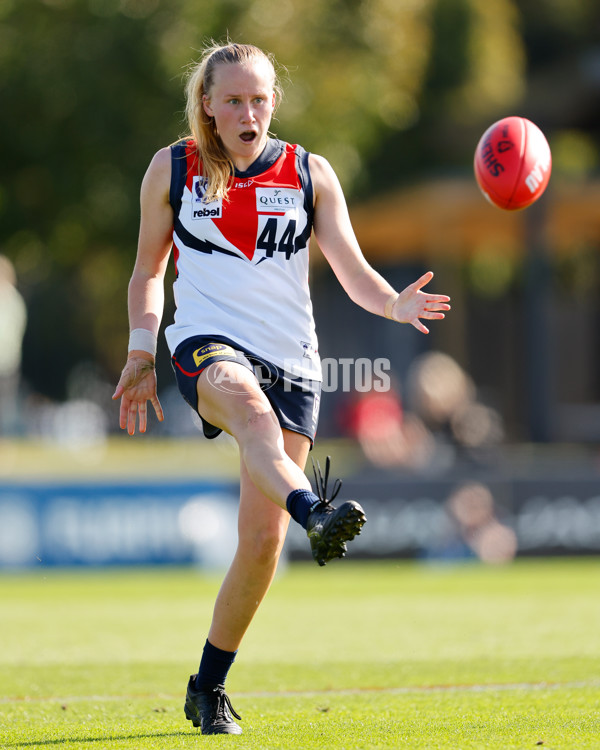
x: 90, y: 740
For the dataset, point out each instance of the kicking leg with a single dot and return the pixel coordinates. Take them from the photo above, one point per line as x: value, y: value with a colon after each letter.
x: 244, y: 411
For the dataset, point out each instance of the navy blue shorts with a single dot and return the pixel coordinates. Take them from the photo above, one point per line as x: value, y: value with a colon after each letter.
x: 295, y: 401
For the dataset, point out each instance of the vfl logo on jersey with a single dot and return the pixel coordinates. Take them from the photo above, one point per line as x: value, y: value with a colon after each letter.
x: 309, y: 349
x: 201, y: 209
x: 276, y: 200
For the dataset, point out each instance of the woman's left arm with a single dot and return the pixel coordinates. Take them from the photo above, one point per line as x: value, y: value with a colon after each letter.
x: 363, y: 284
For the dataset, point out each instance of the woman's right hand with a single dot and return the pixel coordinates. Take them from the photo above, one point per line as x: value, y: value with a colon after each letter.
x: 137, y: 386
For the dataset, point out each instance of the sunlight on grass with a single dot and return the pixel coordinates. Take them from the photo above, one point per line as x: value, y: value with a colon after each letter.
x: 360, y: 655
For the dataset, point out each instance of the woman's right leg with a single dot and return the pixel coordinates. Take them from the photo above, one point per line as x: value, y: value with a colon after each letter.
x: 243, y: 410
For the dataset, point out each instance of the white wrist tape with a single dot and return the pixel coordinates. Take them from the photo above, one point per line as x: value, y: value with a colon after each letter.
x: 389, y: 305
x: 141, y: 338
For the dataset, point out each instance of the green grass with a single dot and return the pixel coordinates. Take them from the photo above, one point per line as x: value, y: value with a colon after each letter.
x: 356, y: 655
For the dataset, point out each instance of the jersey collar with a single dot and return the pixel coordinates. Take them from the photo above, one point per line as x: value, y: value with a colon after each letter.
x: 271, y: 152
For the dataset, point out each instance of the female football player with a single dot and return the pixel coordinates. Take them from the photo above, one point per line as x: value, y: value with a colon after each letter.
x: 238, y: 207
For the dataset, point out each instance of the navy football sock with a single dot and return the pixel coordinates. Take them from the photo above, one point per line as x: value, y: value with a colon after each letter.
x: 300, y: 503
x: 214, y: 667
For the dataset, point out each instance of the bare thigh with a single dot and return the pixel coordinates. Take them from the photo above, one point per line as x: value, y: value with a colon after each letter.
x: 229, y: 395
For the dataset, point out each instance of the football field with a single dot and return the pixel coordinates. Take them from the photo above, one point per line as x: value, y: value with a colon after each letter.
x: 354, y: 655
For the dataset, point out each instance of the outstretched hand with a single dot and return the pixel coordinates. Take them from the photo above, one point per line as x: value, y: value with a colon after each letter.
x: 413, y: 304
x: 136, y: 386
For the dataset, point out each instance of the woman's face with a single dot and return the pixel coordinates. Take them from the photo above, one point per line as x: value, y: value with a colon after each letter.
x: 242, y: 101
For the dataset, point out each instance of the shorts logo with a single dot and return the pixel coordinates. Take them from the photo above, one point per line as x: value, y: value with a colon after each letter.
x: 210, y: 350
x: 201, y: 209
x: 276, y: 200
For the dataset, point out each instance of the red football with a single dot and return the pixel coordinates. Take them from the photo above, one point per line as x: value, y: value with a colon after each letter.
x: 512, y: 163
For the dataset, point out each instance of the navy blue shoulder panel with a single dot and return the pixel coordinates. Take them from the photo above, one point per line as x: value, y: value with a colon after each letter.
x: 306, y: 181
x: 178, y: 176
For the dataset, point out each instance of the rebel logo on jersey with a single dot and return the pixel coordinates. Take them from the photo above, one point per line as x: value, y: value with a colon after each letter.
x: 201, y: 209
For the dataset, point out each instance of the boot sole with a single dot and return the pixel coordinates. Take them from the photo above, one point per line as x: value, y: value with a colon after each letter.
x: 351, y: 519
x: 194, y: 719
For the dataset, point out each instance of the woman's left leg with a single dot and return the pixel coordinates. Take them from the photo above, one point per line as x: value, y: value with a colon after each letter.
x: 262, y: 528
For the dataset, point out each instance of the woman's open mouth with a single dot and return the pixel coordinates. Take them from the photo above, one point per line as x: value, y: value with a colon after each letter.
x: 248, y: 136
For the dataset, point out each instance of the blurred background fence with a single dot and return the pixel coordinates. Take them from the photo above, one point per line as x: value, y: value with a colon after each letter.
x: 395, y: 95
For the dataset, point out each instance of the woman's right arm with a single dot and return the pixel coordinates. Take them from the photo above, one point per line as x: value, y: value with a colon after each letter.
x: 137, y: 383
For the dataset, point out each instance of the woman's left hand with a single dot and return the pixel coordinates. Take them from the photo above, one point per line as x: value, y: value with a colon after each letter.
x: 413, y: 304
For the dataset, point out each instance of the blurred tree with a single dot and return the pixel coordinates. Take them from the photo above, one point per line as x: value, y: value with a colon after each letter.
x: 475, y: 73
x: 86, y: 103
x: 92, y: 88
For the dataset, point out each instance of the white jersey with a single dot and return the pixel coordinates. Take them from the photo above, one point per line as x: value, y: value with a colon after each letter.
x: 242, y: 263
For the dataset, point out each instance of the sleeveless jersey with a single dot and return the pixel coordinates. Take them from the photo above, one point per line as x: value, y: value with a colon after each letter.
x: 242, y: 263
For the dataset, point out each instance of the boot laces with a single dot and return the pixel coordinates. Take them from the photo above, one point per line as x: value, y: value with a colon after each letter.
x: 224, y: 703
x: 321, y: 481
